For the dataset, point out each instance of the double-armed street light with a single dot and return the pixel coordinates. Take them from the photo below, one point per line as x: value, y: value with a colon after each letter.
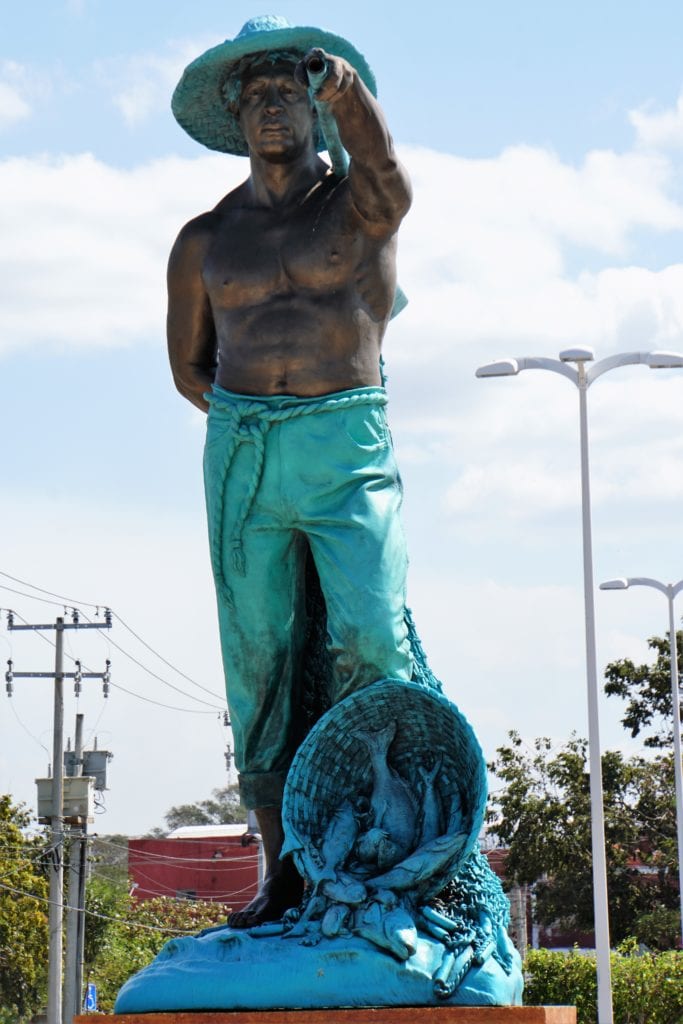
x: 669, y: 590
x: 582, y: 375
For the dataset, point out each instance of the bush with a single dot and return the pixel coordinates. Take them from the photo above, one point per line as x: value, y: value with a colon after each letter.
x: 660, y: 929
x: 646, y: 988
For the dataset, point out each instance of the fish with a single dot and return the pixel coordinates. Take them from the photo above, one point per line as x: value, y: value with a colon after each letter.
x: 431, y: 805
x: 456, y: 817
x: 305, y: 855
x: 394, y: 930
x: 334, y: 920
x: 346, y: 890
x: 368, y: 844
x: 442, y: 853
x: 393, y: 805
x: 339, y: 838
x: 401, y: 933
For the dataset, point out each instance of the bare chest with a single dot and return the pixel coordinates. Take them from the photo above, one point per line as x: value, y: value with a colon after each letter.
x: 258, y: 254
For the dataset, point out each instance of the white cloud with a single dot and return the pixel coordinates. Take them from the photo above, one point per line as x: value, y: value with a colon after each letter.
x: 663, y: 130
x: 141, y: 85
x: 90, y: 244
x: 483, y: 255
x: 12, y: 107
x: 515, y: 452
x: 484, y: 262
x: 14, y: 100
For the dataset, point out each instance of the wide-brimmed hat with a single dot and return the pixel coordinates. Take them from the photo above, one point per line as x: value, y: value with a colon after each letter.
x: 198, y: 102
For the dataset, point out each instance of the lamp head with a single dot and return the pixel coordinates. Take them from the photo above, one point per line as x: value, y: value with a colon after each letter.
x: 618, y: 584
x: 577, y: 355
x: 502, y: 368
x: 664, y: 360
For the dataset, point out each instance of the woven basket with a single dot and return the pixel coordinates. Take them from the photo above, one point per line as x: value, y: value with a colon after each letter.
x: 333, y: 764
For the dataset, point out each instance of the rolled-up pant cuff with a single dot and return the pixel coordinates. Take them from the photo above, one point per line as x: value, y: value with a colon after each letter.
x: 262, y: 789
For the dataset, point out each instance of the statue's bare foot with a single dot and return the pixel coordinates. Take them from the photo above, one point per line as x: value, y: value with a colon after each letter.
x: 279, y: 892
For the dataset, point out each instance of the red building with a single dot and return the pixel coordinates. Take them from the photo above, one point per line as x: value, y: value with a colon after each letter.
x: 219, y: 863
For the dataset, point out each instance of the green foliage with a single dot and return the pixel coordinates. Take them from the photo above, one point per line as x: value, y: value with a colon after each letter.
x: 542, y: 815
x: 646, y: 989
x: 110, y: 854
x: 647, y: 690
x: 222, y: 808
x: 116, y: 949
x: 104, y: 901
x: 661, y: 928
x: 23, y: 921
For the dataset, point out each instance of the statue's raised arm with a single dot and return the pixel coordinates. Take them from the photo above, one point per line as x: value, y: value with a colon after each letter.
x: 379, y: 184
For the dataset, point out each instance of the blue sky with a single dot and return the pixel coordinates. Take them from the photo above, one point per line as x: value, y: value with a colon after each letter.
x: 545, y: 144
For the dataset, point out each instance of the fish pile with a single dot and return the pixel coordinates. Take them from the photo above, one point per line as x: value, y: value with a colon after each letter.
x: 376, y: 851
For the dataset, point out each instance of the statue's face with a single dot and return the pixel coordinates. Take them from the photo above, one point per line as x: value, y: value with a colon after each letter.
x: 275, y: 113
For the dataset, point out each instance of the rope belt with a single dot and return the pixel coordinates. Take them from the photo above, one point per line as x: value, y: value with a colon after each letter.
x: 249, y: 422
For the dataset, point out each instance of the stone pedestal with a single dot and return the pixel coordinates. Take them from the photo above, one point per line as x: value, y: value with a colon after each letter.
x: 367, y: 1015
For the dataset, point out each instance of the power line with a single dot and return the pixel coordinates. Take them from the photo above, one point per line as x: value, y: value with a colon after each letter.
x: 161, y: 658
x: 61, y: 597
x: 125, y: 625
x: 131, y: 693
x: 158, y: 885
x: 32, y: 597
x: 27, y: 730
x: 103, y: 917
x: 167, y: 857
x: 160, y: 704
x: 155, y: 675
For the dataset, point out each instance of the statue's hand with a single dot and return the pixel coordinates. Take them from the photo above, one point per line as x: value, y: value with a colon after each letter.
x: 329, y: 76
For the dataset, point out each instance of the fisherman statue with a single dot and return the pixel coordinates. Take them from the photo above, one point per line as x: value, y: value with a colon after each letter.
x: 279, y: 299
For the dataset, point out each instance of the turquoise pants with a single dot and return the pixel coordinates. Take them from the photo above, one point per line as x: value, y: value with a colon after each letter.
x: 285, y: 474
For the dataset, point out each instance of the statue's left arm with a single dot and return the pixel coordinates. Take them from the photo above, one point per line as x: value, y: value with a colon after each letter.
x: 379, y: 184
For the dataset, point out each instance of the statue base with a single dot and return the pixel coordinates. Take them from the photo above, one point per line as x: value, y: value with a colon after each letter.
x: 228, y: 968
x: 361, y: 1015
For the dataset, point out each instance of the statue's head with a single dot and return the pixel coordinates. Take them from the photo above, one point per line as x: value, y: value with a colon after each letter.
x: 207, y: 101
x: 273, y: 107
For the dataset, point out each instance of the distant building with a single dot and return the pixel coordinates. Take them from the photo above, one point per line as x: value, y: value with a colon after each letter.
x: 219, y: 863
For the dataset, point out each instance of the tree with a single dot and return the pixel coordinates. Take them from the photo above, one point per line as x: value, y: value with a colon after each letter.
x: 110, y: 855
x: 647, y: 691
x: 542, y: 815
x: 23, y: 915
x: 223, y: 807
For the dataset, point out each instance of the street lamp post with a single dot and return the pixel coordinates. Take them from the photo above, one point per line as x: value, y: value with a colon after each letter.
x: 669, y: 590
x: 583, y: 376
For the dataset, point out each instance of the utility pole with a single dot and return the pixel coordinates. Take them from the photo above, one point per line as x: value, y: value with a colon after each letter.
x: 72, y: 974
x: 56, y: 816
x: 55, y: 916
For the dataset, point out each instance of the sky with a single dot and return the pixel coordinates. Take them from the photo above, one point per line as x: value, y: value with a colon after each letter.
x: 545, y: 146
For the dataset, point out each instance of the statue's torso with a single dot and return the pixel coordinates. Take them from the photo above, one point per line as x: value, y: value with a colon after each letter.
x: 300, y: 295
